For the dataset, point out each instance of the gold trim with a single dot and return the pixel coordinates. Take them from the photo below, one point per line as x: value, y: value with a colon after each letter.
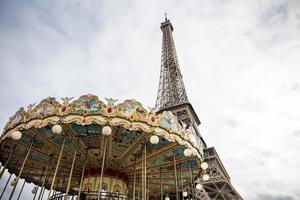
x: 88, y: 109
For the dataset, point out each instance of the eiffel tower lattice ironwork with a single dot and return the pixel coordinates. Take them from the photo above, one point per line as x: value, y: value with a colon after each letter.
x: 172, y: 97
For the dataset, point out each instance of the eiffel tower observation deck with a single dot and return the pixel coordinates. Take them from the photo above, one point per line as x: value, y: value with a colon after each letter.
x: 98, y: 148
x: 172, y: 96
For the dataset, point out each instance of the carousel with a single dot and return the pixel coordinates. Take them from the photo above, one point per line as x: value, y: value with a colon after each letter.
x: 92, y: 149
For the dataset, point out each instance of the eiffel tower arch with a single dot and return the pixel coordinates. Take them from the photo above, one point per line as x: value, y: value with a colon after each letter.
x: 172, y: 97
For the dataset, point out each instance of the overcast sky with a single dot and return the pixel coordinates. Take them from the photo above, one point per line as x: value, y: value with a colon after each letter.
x: 239, y: 60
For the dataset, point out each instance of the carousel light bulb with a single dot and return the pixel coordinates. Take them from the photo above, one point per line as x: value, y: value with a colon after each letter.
x: 106, y: 130
x: 167, y: 198
x: 184, y: 194
x: 205, y: 177
x: 198, y: 186
x: 16, y: 135
x: 204, y: 165
x: 57, y: 129
x: 187, y: 152
x: 154, y: 139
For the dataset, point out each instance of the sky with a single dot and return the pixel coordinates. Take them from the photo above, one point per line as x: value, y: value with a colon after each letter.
x: 239, y: 60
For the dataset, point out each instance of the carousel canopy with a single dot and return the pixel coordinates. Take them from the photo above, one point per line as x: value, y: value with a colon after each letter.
x: 79, y: 125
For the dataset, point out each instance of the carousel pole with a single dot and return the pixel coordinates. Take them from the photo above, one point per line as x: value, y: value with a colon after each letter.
x: 5, y: 185
x: 161, y: 186
x: 106, y: 131
x: 20, y: 172
x: 148, y: 192
x: 57, y: 165
x: 175, y: 173
x: 82, y: 174
x: 191, y: 178
x: 88, y: 180
x: 134, y: 178
x: 142, y: 168
x: 7, y: 162
x: 55, y: 188
x: 71, y: 172
x: 193, y: 185
x: 145, y: 181
x: 102, y: 168
x: 44, y: 189
x: 38, y: 185
x: 62, y: 185
x: 46, y: 177
x: 21, y: 190
x: 181, y: 182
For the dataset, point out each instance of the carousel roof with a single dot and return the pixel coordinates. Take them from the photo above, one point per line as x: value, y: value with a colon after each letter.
x: 82, y: 121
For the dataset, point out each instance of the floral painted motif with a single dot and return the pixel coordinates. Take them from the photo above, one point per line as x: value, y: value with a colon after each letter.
x: 45, y: 107
x: 86, y: 103
x: 17, y: 118
x: 44, y: 111
x: 133, y: 109
x: 169, y: 121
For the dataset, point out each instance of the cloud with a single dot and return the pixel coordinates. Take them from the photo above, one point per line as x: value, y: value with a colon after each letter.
x: 274, y: 14
x: 296, y: 133
x: 268, y: 196
x: 239, y: 61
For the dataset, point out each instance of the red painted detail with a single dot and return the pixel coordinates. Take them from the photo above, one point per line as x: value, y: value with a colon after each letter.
x: 152, y: 119
x: 64, y: 108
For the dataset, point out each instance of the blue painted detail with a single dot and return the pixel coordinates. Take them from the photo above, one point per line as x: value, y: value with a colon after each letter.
x: 39, y: 157
x: 168, y: 125
x: 26, y: 138
x: 84, y: 130
x: 46, y: 131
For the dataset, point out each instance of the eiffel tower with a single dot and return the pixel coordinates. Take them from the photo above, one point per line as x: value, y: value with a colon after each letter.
x: 172, y: 97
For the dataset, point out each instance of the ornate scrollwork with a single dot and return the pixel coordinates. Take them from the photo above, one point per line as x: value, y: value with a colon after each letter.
x: 86, y: 103
x: 89, y: 109
x: 46, y: 107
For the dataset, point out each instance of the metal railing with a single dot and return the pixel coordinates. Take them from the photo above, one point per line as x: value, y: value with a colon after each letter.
x: 90, y: 195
